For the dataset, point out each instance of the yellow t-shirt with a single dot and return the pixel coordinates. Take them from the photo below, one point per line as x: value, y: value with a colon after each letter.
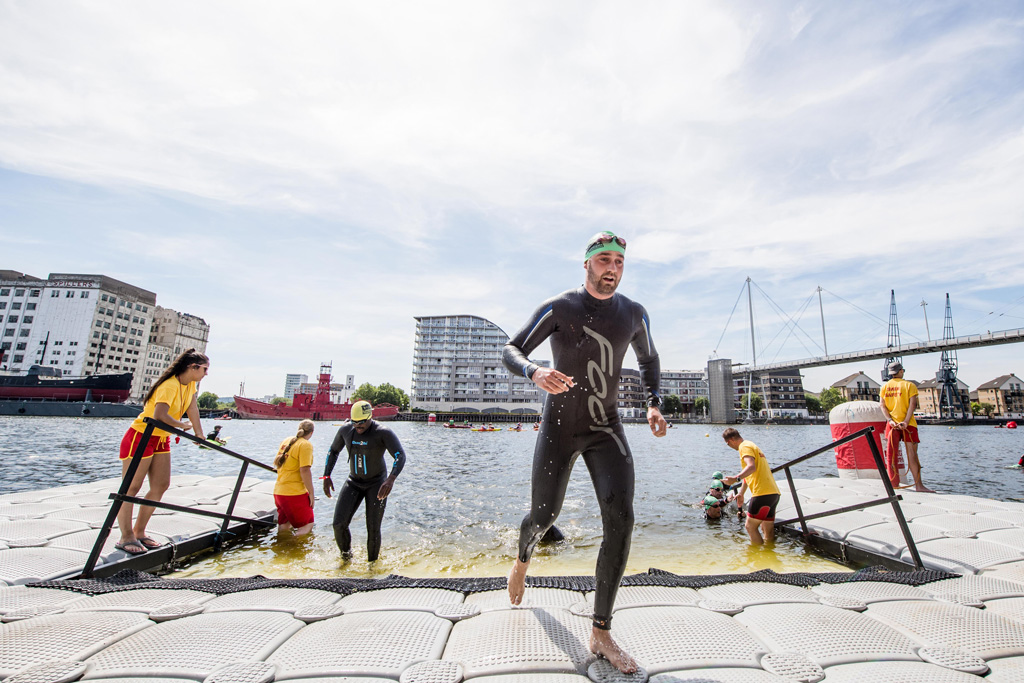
x: 896, y: 395
x: 289, y: 481
x: 761, y: 482
x: 176, y: 395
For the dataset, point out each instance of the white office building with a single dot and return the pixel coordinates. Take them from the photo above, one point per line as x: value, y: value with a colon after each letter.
x: 292, y: 383
x: 457, y: 368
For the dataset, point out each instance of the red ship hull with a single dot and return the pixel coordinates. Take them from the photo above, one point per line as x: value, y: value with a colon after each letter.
x: 98, y: 389
x: 305, y: 410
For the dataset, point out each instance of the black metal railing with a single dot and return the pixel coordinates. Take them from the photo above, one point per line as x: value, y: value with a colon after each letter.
x: 122, y: 496
x: 891, y: 497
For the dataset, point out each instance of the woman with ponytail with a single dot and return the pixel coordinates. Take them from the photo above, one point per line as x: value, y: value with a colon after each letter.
x: 293, y: 493
x: 172, y: 395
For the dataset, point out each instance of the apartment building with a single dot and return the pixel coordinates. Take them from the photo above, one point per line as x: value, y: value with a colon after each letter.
x: 858, y: 387
x: 170, y: 334
x: 928, y: 395
x: 292, y: 383
x: 632, y: 395
x: 781, y: 392
x: 1006, y: 393
x: 688, y: 385
x: 457, y: 367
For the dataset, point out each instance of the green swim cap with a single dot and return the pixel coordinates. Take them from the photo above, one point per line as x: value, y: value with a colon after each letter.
x: 716, y: 484
x: 718, y: 475
x: 711, y: 501
x: 604, y: 241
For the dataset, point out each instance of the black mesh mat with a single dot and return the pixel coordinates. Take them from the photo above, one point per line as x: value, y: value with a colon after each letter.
x: 130, y: 580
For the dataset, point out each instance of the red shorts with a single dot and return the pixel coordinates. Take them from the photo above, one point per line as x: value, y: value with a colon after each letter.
x: 908, y: 435
x: 130, y: 441
x: 294, y: 510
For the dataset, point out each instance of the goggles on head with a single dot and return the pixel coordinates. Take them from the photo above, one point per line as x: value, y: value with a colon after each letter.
x: 605, y: 241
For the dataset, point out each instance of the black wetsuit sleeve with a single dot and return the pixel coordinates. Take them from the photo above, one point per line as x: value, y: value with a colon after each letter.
x: 394, y: 447
x: 337, y: 446
x: 647, y: 357
x: 539, y: 327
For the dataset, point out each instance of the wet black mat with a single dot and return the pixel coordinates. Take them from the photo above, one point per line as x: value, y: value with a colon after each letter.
x: 130, y: 580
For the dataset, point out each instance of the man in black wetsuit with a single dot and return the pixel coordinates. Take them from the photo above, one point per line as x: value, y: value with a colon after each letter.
x: 368, y: 477
x: 590, y: 329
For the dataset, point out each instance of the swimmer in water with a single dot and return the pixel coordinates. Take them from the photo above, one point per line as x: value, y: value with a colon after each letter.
x: 368, y: 478
x: 589, y: 330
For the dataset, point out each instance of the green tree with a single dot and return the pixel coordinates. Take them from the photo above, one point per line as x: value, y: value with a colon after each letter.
x: 387, y: 393
x: 988, y: 409
x: 280, y: 401
x: 830, y: 398
x: 672, y: 405
x: 756, y: 403
x: 975, y: 408
x: 813, y: 404
x: 226, y: 405
x: 701, y: 405
x: 207, y: 400
x: 365, y: 392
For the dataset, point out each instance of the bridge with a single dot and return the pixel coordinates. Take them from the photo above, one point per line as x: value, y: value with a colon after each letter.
x: 936, y: 345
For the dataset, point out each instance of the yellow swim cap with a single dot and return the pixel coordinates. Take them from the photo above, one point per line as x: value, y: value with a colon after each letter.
x: 361, y: 410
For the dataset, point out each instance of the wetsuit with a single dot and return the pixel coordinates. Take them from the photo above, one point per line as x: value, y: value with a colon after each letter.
x: 589, y: 337
x: 367, y: 472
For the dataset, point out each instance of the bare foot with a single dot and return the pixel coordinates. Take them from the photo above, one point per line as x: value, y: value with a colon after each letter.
x: 923, y: 489
x: 602, y: 645
x: 517, y: 581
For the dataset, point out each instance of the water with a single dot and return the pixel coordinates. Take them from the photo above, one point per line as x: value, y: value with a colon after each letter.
x: 456, y: 508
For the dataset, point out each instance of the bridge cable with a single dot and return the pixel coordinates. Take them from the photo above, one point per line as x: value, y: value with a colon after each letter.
x: 724, y: 330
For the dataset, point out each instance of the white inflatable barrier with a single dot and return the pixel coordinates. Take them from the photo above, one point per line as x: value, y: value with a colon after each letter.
x: 854, y: 459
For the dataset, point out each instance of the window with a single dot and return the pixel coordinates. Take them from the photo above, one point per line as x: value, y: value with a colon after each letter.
x: 16, y: 306
x: 9, y: 332
x: 99, y: 323
x: 28, y: 318
x: 56, y: 353
x: 12, y: 318
x: 30, y: 307
x: 19, y: 292
x: 84, y: 294
x: 73, y: 343
x: 24, y: 332
x: 58, y: 343
x: 21, y: 346
x: 68, y: 294
x: 54, y: 293
x: 5, y: 291
x: 3, y: 305
x: 69, y: 362
x: 106, y: 325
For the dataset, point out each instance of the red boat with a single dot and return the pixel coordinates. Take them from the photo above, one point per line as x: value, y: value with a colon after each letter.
x: 316, y: 406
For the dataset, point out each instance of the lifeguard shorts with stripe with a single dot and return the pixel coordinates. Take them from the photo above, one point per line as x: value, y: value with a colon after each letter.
x: 130, y: 441
x: 908, y: 435
x: 763, y: 507
x: 294, y: 510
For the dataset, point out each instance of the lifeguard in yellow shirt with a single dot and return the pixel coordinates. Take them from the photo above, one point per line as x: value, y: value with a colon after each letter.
x: 764, y: 493
x: 898, y: 401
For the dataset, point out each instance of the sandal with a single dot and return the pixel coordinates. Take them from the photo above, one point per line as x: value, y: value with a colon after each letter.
x: 131, y: 547
x: 149, y: 543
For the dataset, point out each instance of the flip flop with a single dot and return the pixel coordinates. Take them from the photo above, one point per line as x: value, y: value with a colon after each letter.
x: 127, y: 547
x: 149, y: 543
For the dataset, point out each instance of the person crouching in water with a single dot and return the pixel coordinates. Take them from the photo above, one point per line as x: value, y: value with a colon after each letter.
x: 712, y: 507
x: 764, y: 493
x: 368, y: 477
x: 293, y: 492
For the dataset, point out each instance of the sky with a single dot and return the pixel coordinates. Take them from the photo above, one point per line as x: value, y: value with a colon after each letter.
x: 309, y: 176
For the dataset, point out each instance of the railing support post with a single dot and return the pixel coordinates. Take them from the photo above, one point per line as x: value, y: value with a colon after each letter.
x: 231, y: 505
x: 896, y: 510
x: 796, y: 502
x: 115, y: 507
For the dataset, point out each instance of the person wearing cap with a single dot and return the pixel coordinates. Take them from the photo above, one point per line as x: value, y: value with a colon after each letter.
x: 215, y: 436
x: 898, y: 401
x: 589, y: 329
x: 756, y: 475
x: 712, y: 507
x: 368, y: 479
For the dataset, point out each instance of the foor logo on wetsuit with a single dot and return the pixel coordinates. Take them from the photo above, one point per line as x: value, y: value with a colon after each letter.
x: 600, y: 371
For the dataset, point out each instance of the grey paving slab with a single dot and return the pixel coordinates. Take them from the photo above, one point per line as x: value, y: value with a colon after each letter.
x: 39, y: 528
x: 194, y: 646
x: 522, y: 640
x: 757, y: 593
x: 63, y: 637
x: 1006, y: 670
x: 372, y: 643
x: 673, y: 638
x: 812, y: 631
x: 275, y: 599
x: 975, y: 587
x: 937, y: 624
x: 18, y: 597
x: 896, y: 672
x: 425, y: 599
x: 139, y: 600
x: 649, y: 596
x: 716, y: 675
x: 871, y: 591
x: 27, y: 565
x: 534, y: 597
x: 963, y: 555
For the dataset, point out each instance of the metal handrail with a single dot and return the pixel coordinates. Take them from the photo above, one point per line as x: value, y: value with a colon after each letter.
x: 891, y: 496
x: 121, y: 496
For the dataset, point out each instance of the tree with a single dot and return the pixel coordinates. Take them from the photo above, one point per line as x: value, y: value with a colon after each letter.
x: 756, y: 403
x: 280, y: 401
x: 207, y: 400
x: 988, y: 409
x: 830, y: 398
x: 975, y: 408
x: 365, y: 392
x: 387, y: 393
x: 701, y: 405
x: 672, y: 405
x: 813, y: 404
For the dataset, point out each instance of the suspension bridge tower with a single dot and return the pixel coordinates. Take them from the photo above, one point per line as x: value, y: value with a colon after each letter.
x: 950, y: 399
x: 893, y: 341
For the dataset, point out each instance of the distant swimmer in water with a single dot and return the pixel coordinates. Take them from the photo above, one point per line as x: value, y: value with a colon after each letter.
x: 215, y: 436
x: 368, y: 478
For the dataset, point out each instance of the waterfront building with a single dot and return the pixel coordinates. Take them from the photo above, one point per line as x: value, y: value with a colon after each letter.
x: 781, y: 392
x: 632, y: 396
x: 688, y: 385
x: 1006, y: 393
x: 928, y: 393
x: 457, y: 367
x: 170, y: 334
x: 340, y: 393
x: 858, y: 387
x: 292, y: 382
